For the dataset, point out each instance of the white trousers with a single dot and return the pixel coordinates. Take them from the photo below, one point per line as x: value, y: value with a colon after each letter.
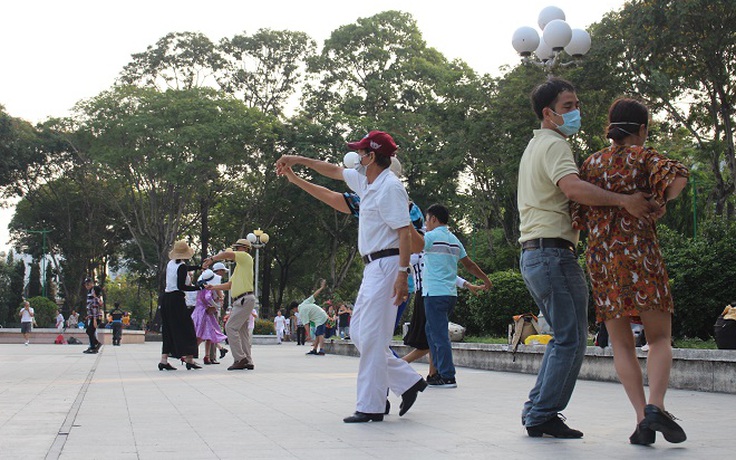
x: 280, y: 334
x: 371, y: 329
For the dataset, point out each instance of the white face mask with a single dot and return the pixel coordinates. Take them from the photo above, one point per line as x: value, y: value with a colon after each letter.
x: 359, y: 165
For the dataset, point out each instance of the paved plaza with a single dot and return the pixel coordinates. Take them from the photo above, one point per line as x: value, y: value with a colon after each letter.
x: 56, y: 402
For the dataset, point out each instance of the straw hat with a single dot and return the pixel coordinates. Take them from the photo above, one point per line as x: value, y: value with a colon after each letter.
x: 242, y: 242
x: 181, y: 250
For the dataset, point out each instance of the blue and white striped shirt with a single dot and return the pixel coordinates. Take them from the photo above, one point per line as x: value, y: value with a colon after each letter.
x: 442, y: 251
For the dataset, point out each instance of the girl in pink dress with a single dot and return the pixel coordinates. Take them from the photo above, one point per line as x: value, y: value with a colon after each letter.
x: 204, y: 317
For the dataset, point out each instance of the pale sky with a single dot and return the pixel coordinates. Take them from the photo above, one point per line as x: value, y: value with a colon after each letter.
x: 56, y: 53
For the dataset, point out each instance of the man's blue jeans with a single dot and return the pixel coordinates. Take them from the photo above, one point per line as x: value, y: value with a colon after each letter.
x: 437, y: 310
x: 557, y: 284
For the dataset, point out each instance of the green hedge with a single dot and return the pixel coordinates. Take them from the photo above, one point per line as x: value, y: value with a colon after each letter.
x: 264, y: 327
x: 44, y: 311
x: 702, y: 274
x: 491, y: 312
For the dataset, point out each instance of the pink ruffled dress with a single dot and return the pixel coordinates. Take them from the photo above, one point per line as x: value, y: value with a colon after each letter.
x: 206, y: 325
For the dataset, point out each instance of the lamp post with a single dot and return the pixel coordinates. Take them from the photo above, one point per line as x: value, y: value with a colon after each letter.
x: 556, y: 36
x: 258, y: 238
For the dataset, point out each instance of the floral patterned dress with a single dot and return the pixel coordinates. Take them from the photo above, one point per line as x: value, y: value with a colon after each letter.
x: 625, y: 265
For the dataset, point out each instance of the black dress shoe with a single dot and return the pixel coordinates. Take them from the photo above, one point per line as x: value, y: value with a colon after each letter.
x: 410, y: 396
x: 223, y: 352
x: 193, y: 365
x: 554, y: 427
x: 363, y: 417
x: 658, y: 420
x: 643, y: 436
x: 167, y: 366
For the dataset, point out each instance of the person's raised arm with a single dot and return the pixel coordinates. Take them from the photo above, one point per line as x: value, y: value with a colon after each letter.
x: 322, y: 284
x: 333, y: 199
x: 330, y: 170
x: 637, y: 204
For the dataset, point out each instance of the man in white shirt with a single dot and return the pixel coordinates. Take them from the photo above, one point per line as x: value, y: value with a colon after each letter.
x: 384, y: 241
x: 279, y: 324
x: 26, y: 315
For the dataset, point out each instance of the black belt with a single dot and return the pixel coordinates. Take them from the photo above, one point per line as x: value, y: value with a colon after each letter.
x: 537, y: 243
x: 242, y: 295
x: 368, y: 258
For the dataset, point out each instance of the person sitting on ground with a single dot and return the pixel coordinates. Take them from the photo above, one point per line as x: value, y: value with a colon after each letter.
x: 310, y: 312
x: 73, y: 320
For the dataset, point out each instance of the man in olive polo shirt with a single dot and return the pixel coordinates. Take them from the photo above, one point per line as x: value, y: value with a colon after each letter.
x: 548, y: 181
x: 243, y: 301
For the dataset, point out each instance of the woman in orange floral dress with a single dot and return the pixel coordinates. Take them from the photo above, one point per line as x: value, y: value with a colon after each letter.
x: 625, y: 265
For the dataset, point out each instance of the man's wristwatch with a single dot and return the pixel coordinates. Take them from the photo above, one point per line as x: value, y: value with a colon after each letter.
x: 406, y: 270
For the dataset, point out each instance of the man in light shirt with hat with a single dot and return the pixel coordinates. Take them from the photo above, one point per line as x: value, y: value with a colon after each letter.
x: 243, y: 301
x: 384, y: 241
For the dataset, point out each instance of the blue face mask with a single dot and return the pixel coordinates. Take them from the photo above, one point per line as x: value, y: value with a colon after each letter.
x: 570, y: 122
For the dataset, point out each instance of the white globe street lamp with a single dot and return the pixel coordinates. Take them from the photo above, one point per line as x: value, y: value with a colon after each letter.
x: 557, y: 35
x: 258, y: 239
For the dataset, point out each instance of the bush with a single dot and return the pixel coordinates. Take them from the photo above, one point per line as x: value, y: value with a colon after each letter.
x: 490, y: 312
x: 44, y: 311
x: 264, y: 327
x: 701, y: 275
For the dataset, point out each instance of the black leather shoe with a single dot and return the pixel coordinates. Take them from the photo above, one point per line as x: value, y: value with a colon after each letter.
x: 167, y: 366
x: 554, y: 427
x: 643, y: 436
x: 362, y: 417
x: 223, y: 352
x: 193, y: 365
x: 410, y: 396
x: 658, y: 420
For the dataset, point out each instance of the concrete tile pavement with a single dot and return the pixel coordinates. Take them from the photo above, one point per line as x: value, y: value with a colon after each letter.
x: 56, y: 402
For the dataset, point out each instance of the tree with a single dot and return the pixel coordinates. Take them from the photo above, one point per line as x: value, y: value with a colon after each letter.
x: 83, y: 233
x: 162, y: 151
x: 33, y: 289
x: 266, y: 68
x: 179, y: 60
x: 679, y: 56
x: 12, y: 280
x: 378, y: 73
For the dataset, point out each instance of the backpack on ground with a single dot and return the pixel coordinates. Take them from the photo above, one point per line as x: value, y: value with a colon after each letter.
x: 60, y: 340
x: 74, y: 341
x: 523, y: 326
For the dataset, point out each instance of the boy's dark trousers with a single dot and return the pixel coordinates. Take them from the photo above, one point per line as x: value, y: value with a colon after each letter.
x: 300, y: 335
x: 117, y: 333
x: 91, y: 329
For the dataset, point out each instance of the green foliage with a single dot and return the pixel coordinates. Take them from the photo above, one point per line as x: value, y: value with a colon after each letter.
x: 491, y: 312
x: 263, y: 327
x: 701, y: 275
x: 44, y: 311
x: 12, y: 278
x: 133, y: 294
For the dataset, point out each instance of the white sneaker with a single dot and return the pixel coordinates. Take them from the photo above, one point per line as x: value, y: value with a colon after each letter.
x: 26, y: 343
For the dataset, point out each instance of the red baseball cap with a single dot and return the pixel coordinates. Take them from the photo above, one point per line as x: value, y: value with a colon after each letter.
x: 377, y: 141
